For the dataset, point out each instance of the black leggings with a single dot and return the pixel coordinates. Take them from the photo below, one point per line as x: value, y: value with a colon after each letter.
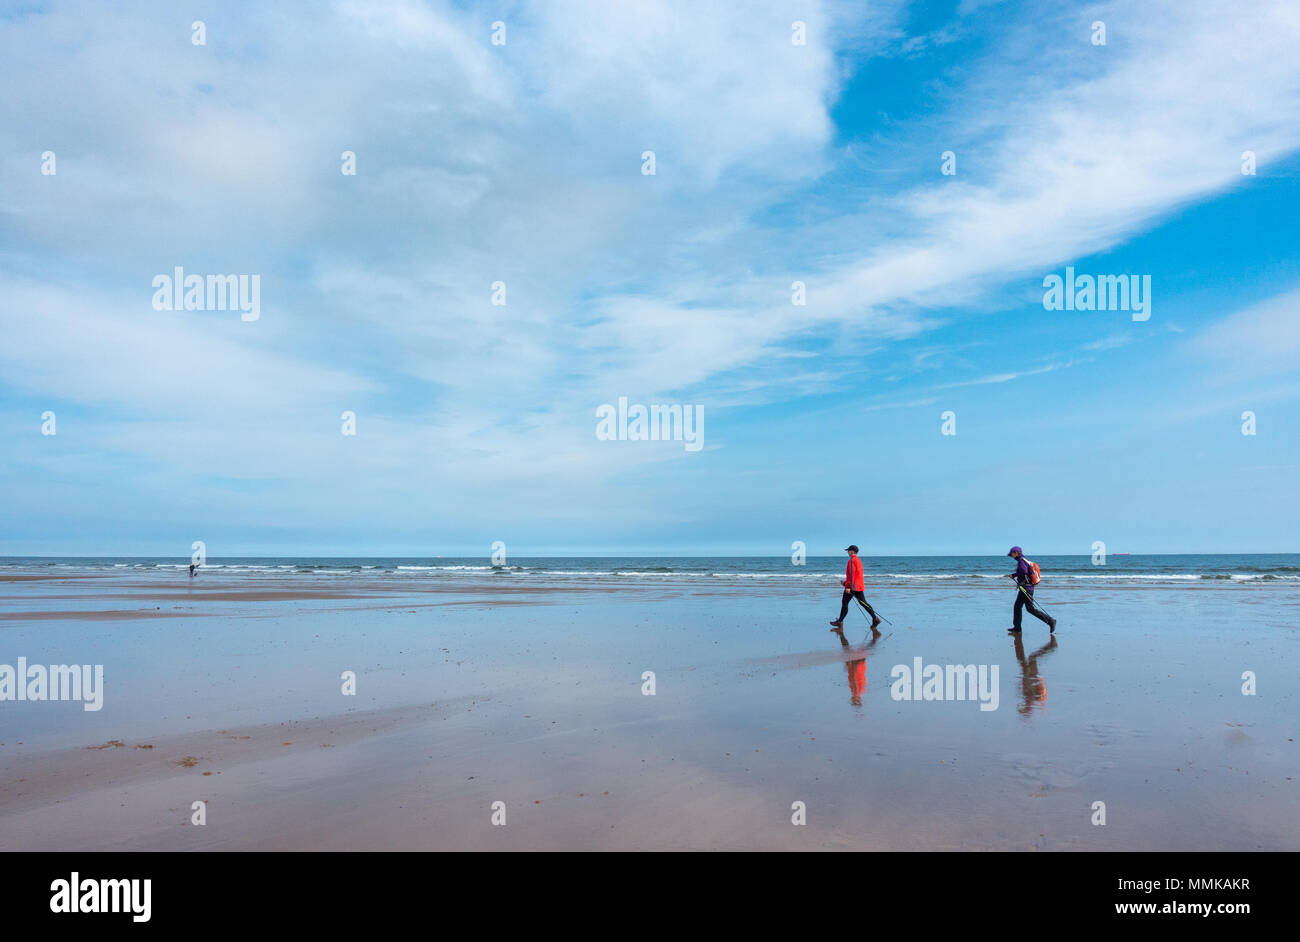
x: 1025, y: 599
x: 856, y: 594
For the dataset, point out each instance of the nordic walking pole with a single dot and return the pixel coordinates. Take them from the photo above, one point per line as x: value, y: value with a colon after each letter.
x: 863, y: 609
x: 1032, y: 602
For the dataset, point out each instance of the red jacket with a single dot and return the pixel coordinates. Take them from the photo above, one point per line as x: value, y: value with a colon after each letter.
x: 853, y: 575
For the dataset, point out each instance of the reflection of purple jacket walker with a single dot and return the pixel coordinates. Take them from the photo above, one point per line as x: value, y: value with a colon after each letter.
x: 1033, y: 688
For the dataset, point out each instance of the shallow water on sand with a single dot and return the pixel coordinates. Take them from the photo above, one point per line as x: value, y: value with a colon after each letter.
x: 476, y: 692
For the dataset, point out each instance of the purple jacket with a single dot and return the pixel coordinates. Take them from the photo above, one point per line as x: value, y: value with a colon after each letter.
x: 1022, y: 572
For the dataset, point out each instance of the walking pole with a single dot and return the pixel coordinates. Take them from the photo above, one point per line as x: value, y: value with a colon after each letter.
x: 1032, y: 602
x: 863, y: 609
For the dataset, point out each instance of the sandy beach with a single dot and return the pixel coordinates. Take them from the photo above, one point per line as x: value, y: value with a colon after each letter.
x: 473, y: 691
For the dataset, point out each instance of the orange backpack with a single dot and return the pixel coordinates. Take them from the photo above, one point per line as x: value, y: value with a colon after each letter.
x: 1035, y: 575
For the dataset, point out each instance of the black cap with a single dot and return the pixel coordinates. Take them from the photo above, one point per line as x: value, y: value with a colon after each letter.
x: 850, y: 547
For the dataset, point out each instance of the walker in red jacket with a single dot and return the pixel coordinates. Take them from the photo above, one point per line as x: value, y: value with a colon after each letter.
x: 853, y: 587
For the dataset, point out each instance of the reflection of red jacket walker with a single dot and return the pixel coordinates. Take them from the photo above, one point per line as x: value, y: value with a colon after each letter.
x: 853, y: 575
x: 857, y: 671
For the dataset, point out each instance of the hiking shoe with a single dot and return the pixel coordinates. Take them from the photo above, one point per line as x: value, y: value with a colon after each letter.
x: 1051, y: 624
x: 1013, y: 631
x: 837, y: 624
x: 874, y: 623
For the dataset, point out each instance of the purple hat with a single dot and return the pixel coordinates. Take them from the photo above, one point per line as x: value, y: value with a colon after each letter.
x: 1013, y: 551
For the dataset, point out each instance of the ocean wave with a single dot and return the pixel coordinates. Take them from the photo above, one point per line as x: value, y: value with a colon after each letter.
x: 1225, y: 571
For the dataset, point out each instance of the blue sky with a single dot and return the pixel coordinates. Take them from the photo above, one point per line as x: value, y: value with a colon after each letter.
x: 775, y: 163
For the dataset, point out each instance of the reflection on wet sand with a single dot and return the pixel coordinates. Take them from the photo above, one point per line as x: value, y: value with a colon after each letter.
x: 1033, y: 688
x: 857, y: 667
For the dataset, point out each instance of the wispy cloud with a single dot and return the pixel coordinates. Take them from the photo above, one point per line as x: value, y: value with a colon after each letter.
x: 1263, y: 338
x: 1007, y: 377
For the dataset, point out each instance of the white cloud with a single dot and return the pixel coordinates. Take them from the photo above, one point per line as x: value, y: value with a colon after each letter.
x: 75, y: 345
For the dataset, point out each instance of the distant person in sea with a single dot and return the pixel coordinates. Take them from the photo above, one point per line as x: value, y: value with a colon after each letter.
x: 1026, y: 577
x: 194, y: 568
x: 853, y: 589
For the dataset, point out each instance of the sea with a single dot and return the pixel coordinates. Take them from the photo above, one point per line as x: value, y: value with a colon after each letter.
x: 1243, y: 570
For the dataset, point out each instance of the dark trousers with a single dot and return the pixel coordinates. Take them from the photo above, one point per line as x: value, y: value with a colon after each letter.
x: 1025, y: 599
x: 856, y: 594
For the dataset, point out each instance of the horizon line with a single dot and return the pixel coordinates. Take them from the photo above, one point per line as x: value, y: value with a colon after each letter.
x: 621, y: 556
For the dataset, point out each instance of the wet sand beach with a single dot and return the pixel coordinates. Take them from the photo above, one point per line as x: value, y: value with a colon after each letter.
x: 480, y: 690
